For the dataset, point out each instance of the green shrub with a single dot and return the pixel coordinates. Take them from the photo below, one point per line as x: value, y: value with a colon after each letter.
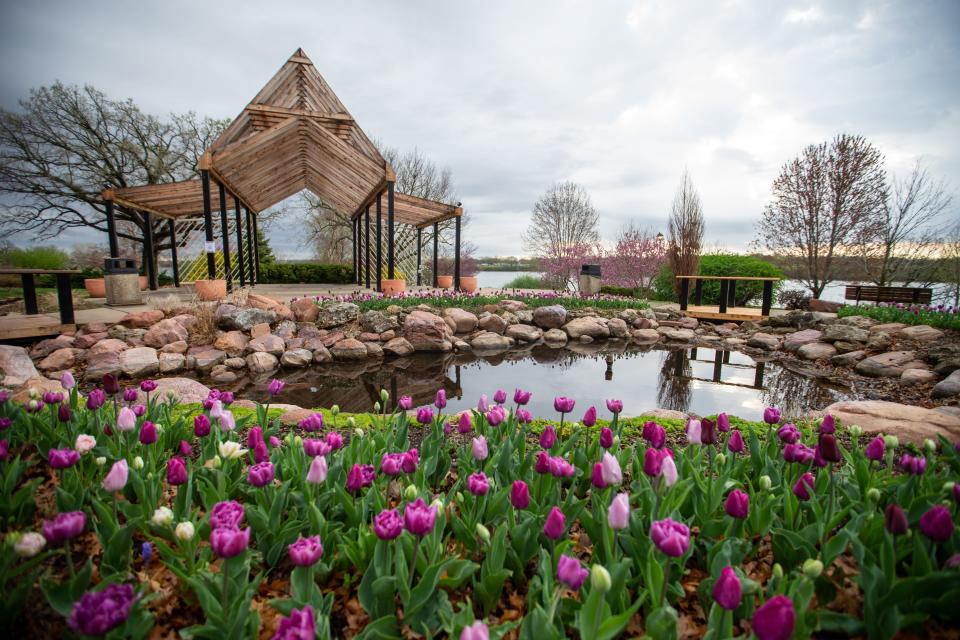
x: 526, y: 281
x: 35, y: 258
x: 305, y: 272
x: 723, y: 264
x: 628, y: 292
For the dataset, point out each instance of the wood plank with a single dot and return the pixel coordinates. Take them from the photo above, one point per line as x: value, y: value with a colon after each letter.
x: 735, y: 314
x: 726, y: 278
x: 34, y: 326
x: 14, y: 272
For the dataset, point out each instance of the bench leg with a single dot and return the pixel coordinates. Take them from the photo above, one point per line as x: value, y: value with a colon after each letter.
x: 698, y: 293
x: 767, y: 298
x: 723, y: 296
x: 684, y: 293
x: 29, y: 294
x: 65, y: 299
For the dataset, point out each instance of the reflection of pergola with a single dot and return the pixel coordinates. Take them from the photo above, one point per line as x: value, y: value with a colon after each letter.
x: 294, y: 135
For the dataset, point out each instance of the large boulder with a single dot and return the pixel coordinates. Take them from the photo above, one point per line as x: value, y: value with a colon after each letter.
x: 164, y: 332
x: 489, y: 341
x: 460, y: 321
x: 139, y: 362
x: 375, y: 321
x: 838, y: 332
x: 16, y: 366
x: 398, y: 347
x: 766, y: 341
x: 337, y: 314
x: 229, y: 317
x: 427, y: 331
x: 587, y: 326
x: 922, y: 333
x: 553, y: 316
x: 60, y: 359
x: 45, y: 347
x: 171, y: 362
x: 297, y: 358
x: 110, y: 345
x: 645, y: 335
x: 494, y: 323
x: 184, y: 390
x: 618, y: 328
x: 948, y: 387
x: 797, y: 339
x: 261, y: 362
x: 816, y: 351
x: 887, y: 327
x: 555, y: 337
x: 349, y: 349
x: 908, y: 423
x: 269, y: 343
x: 305, y: 310
x: 142, y: 319
x: 917, y: 376
x: 524, y: 332
x: 678, y: 334
x: 206, y: 357
x: 886, y: 365
x: 233, y: 342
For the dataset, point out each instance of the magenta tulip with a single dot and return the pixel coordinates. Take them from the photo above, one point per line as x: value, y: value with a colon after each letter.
x: 176, y: 471
x: 590, y: 417
x: 735, y: 442
x: 62, y: 458
x: 477, y: 484
x: 555, y: 524
x: 803, y: 486
x: 405, y: 403
x: 571, y: 572
x: 563, y: 404
x: 424, y: 415
x: 875, y: 449
x: 895, y: 520
x: 227, y: 514
x: 937, y: 524
x: 670, y: 537
x: 723, y: 422
x: 775, y: 619
x: 548, y: 437
x: 727, y: 590
x: 596, y: 476
x: 500, y: 396
x: 148, y: 432
x: 606, y: 437
x: 521, y: 397
x: 519, y: 494
x: 299, y: 625
x: 388, y: 524
x: 440, y: 401
x: 229, y: 543
x: 419, y: 518
x: 771, y: 415
x: 614, y: 406
x: 737, y: 504
x: 305, y: 552
x: 652, y: 462
x: 201, y: 426
x: 64, y: 526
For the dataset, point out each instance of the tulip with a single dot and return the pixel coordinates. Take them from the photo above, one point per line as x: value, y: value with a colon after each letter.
x: 97, y: 612
x: 668, y: 471
x: 723, y: 422
x: 84, y: 443
x: 916, y: 465
x: 524, y: 416
x: 388, y: 524
x: 148, y: 433
x: 771, y: 415
x: 708, y: 431
x: 937, y: 524
x: 227, y: 421
x: 479, y: 448
x: 317, y: 473
x: 62, y: 458
x: 563, y: 404
x: 418, y: 518
x: 299, y: 625
x: 313, y: 422
x: 275, y: 387
x: 126, y: 419
x: 542, y: 464
x: 828, y: 448
x: 229, y: 543
x: 788, y: 433
x: 652, y: 462
x: 305, y: 552
x: 261, y: 474
x: 117, y: 476
x: 798, y: 452
x: 184, y: 531
x: 812, y: 568
x: 424, y: 415
x: 735, y: 442
x: 201, y: 426
x: 95, y: 399
x: 478, y: 484
x: 483, y: 405
x: 803, y: 486
x: 64, y: 414
x: 260, y: 453
x: 405, y: 403
x: 727, y: 590
x: 231, y: 450
x: 654, y: 434
x: 618, y: 515
x: 138, y: 463
x: 391, y: 464
x: 611, y: 469
x: 590, y: 417
x: 548, y: 437
x: 737, y: 504
x: 496, y: 415
x: 227, y: 514
x: 335, y: 440
x: 571, y: 572
x: 828, y: 425
x: 775, y: 619
x: 596, y: 476
x: 560, y: 468
x: 521, y: 397
x: 185, y: 449
x: 162, y: 516
x: 519, y: 494
x: 176, y: 471
x: 64, y: 526
x: 148, y: 385
x: 440, y: 401
x: 500, y: 396
x: 139, y: 410
x: 895, y: 520
x: 464, y: 424
x: 555, y: 524
x: 606, y: 437
x: 670, y: 537
x: 476, y: 631
x: 67, y: 381
x: 29, y: 544
x: 614, y: 406
x: 360, y: 476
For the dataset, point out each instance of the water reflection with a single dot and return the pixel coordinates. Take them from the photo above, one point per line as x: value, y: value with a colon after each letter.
x: 701, y: 380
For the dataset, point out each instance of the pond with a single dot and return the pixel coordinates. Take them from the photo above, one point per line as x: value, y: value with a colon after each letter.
x: 700, y: 380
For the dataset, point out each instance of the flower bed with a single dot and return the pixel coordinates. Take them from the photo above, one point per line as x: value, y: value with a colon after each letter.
x: 127, y: 515
x: 943, y: 316
x: 447, y: 299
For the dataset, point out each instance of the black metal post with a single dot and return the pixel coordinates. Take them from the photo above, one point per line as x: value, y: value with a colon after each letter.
x: 29, y: 294
x: 224, y: 233
x: 379, y: 244
x: 723, y: 296
x: 353, y: 231
x: 172, y: 228
x: 732, y: 293
x: 767, y: 297
x: 366, y: 219
x: 250, y: 235
x: 208, y: 225
x: 150, y: 267
x: 436, y: 251
x: 717, y: 365
x: 758, y: 376
x: 112, y: 231
x: 256, y: 248
x: 684, y: 293
x: 240, y: 258
x: 65, y: 298
x: 390, y: 230
x: 456, y: 257
x: 698, y: 292
x: 419, y: 256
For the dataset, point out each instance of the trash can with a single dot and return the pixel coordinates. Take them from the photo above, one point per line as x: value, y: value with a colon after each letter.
x: 590, y: 279
x: 122, y: 282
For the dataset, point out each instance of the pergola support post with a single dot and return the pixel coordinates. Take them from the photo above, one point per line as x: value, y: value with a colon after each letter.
x: 456, y: 257
x: 240, y: 258
x: 390, y: 231
x: 419, y: 256
x: 150, y: 267
x: 366, y: 268
x: 379, y: 243
x: 112, y: 231
x: 436, y: 252
x: 353, y: 232
x: 256, y: 248
x: 172, y: 227
x: 224, y: 233
x: 208, y: 225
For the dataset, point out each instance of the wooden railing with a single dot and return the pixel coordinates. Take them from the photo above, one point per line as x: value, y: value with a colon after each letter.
x: 64, y: 290
x: 728, y: 291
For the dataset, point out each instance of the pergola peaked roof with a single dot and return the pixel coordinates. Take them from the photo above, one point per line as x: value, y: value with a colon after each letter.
x: 294, y: 135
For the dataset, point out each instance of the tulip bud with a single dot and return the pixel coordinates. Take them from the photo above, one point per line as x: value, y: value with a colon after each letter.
x: 335, y: 410
x: 376, y: 407
x: 160, y: 428
x: 410, y: 493
x: 855, y: 430
x: 483, y: 533
x: 616, y: 442
x: 138, y: 463
x: 750, y: 587
x: 101, y: 460
x: 721, y: 458
x: 437, y: 503
x: 873, y: 494
x: 185, y: 531
x: 929, y: 445
x: 765, y: 483
x: 492, y: 482
x: 33, y: 394
x: 460, y: 497
x: 384, y: 396
x: 297, y: 441
x: 777, y: 570
x: 600, y: 578
x: 351, y: 422
x: 892, y: 442
x: 358, y: 432
x: 812, y: 568
x: 948, y: 486
x: 162, y: 517
x: 213, y: 463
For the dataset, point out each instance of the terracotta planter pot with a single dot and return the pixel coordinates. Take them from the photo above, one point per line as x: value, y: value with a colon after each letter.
x: 96, y: 287
x: 143, y: 283
x: 444, y: 282
x: 468, y: 283
x: 211, y: 289
x: 393, y: 287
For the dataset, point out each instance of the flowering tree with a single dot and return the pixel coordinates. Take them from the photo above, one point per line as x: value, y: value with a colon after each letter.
x: 563, y: 270
x: 637, y: 259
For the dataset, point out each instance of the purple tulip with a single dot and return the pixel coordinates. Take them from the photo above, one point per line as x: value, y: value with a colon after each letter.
x: 440, y: 401
x: 524, y: 416
x: 391, y: 464
x: 655, y: 435
x: 708, y: 431
x: 618, y: 516
x: 185, y: 449
x: 406, y: 403
x: 956, y: 493
x: 64, y: 526
x: 335, y: 440
x: 95, y: 399
x: 735, y: 442
x: 67, y: 381
x: 829, y: 450
x: 652, y: 462
x: 555, y: 524
x: 228, y: 543
x: 148, y: 385
x: 111, y: 386
x: 483, y: 405
x: 261, y: 474
x: 201, y: 426
x: 606, y: 437
x: 542, y: 464
x: 117, y: 476
x: 519, y: 494
x: 409, y: 460
x: 875, y: 449
x: 360, y: 476
x: 129, y: 395
x: 226, y: 515
x: 388, y: 524
x: 916, y: 465
x: 479, y: 449
x: 590, y: 417
x: 299, y: 625
x: 419, y: 518
x: 305, y: 552
x: 62, y: 458
x: 828, y: 425
x: 596, y: 476
x: 260, y: 453
x: 895, y: 520
x: 176, y: 471
x: 274, y: 441
x: 139, y: 410
x: 723, y: 422
x: 771, y: 415
x: 775, y: 619
x: 312, y: 423
x: 614, y: 406
x: 64, y: 414
x: 464, y: 423
x: 5, y: 423
x: 727, y: 590
x: 4, y: 449
x: 803, y: 486
x: 521, y: 397
x: 937, y: 524
x: 671, y: 537
x: 737, y: 504
x: 788, y: 433
x: 798, y: 452
x: 424, y: 415
x: 496, y: 415
x: 476, y: 631
x: 500, y: 396
x: 571, y: 572
x: 314, y: 447
x: 563, y: 404
x: 148, y: 432
x: 97, y: 612
x: 226, y: 397
x: 275, y: 387
x: 477, y: 484
x: 561, y: 468
x: 548, y: 437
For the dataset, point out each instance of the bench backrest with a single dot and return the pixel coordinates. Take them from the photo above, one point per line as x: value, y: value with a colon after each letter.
x: 907, y: 295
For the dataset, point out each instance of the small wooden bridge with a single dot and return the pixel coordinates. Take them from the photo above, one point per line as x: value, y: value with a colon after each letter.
x: 727, y: 309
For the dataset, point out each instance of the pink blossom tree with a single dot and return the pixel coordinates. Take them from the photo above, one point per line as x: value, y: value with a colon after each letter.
x: 636, y: 260
x: 562, y: 271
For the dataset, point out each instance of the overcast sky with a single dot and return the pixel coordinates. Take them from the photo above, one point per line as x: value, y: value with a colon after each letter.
x: 513, y: 96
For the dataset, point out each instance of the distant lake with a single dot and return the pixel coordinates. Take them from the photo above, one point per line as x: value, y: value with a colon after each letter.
x: 499, y: 278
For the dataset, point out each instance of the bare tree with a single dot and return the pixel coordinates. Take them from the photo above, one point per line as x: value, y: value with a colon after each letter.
x: 685, y: 228
x: 67, y: 143
x: 825, y: 201
x: 904, y: 240
x: 563, y: 220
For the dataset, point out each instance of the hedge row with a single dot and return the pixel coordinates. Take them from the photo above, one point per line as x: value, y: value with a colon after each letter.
x: 306, y: 272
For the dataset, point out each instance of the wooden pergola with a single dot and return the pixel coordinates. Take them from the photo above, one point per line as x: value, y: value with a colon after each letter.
x: 294, y: 135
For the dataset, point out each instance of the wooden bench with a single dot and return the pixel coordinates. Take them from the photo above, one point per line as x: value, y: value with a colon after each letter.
x: 907, y: 295
x: 728, y: 292
x: 64, y: 290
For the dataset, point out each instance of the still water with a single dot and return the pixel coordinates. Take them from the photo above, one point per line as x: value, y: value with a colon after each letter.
x: 703, y: 381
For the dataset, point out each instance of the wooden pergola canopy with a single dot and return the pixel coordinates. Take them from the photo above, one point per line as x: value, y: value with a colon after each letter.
x: 294, y: 135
